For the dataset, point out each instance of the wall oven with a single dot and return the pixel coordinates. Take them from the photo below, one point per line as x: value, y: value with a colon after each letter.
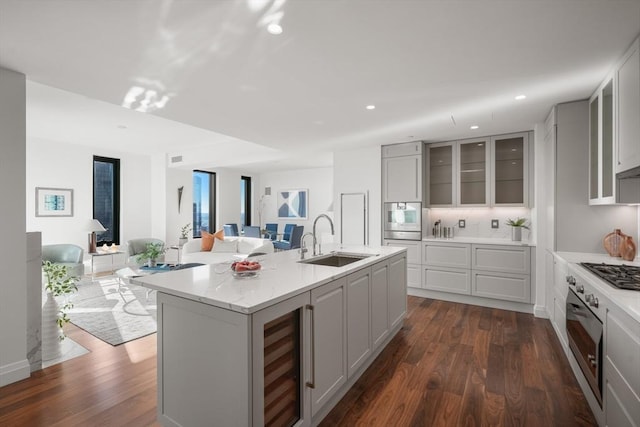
x: 403, y: 220
x: 584, y: 332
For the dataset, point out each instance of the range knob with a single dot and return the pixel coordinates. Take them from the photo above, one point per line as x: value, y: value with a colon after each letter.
x: 571, y: 280
x: 580, y: 289
x: 592, y: 300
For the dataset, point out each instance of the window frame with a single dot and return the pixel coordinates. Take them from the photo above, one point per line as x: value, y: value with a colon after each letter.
x: 115, y: 229
x: 212, y: 203
x: 247, y: 199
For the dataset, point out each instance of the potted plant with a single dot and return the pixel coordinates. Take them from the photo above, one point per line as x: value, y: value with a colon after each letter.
x: 57, y: 283
x: 151, y: 254
x: 517, y: 225
x: 184, y: 234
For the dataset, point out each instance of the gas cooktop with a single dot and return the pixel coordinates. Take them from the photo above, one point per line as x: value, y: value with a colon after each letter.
x: 619, y: 276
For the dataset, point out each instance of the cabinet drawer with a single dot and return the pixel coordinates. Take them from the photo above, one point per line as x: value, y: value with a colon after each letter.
x: 450, y: 280
x: 510, y: 287
x: 414, y: 249
x: 623, y: 407
x: 623, y: 349
x: 447, y: 255
x: 506, y: 259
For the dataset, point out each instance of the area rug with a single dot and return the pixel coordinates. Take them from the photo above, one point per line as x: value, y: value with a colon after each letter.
x: 115, y: 314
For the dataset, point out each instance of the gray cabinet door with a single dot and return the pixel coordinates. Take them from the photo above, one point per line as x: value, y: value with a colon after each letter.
x: 379, y: 303
x: 330, y: 341
x: 358, y: 319
x: 402, y: 179
x: 628, y: 111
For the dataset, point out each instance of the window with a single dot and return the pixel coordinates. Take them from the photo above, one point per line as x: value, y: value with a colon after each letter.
x: 106, y: 198
x: 245, y: 200
x: 204, y: 197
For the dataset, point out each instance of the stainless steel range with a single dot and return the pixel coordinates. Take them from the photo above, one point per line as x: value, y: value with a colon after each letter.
x: 620, y: 276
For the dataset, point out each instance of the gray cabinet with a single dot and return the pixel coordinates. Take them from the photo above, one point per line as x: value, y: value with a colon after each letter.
x: 601, y: 145
x: 621, y: 370
x: 329, y: 331
x: 473, y: 172
x: 358, y: 319
x: 488, y: 171
x: 490, y: 271
x: 379, y: 303
x: 510, y: 170
x: 413, y: 260
x: 628, y: 110
x: 397, y: 291
x: 402, y: 172
x: 440, y: 176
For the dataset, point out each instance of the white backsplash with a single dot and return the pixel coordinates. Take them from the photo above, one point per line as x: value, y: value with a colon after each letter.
x: 478, y: 221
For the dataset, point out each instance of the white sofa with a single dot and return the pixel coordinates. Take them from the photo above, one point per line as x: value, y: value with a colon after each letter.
x: 230, y: 249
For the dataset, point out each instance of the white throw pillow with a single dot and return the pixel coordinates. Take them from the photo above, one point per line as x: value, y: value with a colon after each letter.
x: 225, y: 246
x: 245, y: 246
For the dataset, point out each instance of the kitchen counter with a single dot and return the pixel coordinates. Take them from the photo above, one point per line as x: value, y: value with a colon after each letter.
x: 281, y: 277
x: 626, y: 300
x: 479, y: 241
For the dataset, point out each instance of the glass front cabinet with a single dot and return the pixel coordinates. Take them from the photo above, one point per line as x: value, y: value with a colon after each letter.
x: 510, y: 169
x: 473, y: 172
x: 601, y: 146
x: 488, y: 171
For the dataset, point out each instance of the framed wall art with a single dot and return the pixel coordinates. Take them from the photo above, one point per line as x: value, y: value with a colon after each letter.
x: 293, y: 204
x: 54, y: 201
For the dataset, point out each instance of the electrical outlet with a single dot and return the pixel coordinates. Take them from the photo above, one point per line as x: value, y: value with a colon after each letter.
x: 462, y: 223
x: 495, y: 223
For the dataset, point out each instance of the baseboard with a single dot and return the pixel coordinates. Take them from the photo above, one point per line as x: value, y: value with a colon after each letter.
x: 15, y: 371
x: 541, y: 311
x: 472, y: 300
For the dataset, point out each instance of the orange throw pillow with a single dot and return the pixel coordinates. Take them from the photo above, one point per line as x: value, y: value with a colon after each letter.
x: 208, y: 239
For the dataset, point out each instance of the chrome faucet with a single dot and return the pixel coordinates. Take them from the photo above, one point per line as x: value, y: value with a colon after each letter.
x: 303, y: 248
x: 315, y: 238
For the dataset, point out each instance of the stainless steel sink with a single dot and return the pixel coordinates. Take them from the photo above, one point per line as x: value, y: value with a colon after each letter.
x: 336, y: 259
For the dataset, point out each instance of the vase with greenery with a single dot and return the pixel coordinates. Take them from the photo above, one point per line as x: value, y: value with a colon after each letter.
x: 58, y: 283
x: 184, y: 234
x: 516, y: 228
x: 151, y: 254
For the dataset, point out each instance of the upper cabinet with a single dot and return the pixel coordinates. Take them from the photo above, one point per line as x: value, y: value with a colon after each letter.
x: 402, y: 172
x: 601, y: 145
x: 510, y: 170
x: 473, y: 176
x: 440, y: 175
x: 628, y: 110
x: 489, y: 171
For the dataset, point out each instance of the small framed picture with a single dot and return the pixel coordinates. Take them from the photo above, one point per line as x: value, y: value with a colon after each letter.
x: 54, y: 201
x: 293, y: 204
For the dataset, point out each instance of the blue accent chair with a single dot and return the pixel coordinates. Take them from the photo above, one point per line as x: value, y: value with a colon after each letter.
x: 230, y: 229
x: 293, y: 243
x: 272, y: 231
x: 288, y: 229
x: 251, y: 231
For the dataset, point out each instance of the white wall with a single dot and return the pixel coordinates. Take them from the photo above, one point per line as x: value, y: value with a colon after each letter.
x: 60, y: 165
x: 175, y: 220
x: 359, y: 171
x: 318, y: 181
x: 14, y: 365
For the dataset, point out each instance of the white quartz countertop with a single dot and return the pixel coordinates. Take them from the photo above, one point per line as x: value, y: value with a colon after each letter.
x: 479, y: 241
x: 626, y: 300
x: 280, y: 278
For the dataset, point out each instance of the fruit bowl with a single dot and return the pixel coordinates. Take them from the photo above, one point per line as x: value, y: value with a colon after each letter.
x: 245, y: 269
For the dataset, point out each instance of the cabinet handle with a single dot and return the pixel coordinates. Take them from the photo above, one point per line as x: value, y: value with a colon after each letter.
x: 312, y: 383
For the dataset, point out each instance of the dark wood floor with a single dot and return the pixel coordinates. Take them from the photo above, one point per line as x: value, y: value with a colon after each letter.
x: 452, y: 364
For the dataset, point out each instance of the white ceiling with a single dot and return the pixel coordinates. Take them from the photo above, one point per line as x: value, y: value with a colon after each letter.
x: 241, y: 97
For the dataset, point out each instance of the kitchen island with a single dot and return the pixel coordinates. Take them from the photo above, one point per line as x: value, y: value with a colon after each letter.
x: 279, y: 348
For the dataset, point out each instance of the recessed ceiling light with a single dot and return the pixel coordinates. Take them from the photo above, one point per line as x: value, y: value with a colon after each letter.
x: 274, y: 29
x: 474, y: 127
x: 370, y: 107
x: 520, y: 97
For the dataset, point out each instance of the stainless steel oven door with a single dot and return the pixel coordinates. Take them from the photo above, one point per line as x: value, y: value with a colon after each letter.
x: 584, y: 331
x: 403, y: 217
